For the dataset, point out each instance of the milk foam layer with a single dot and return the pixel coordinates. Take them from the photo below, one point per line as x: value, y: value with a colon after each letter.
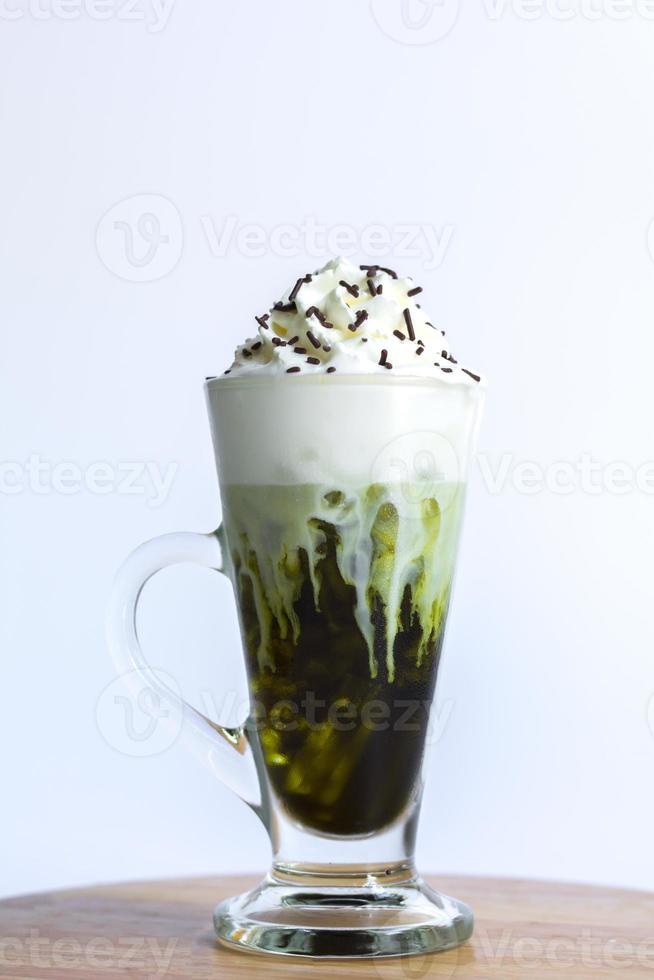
x: 342, y: 431
x: 347, y: 319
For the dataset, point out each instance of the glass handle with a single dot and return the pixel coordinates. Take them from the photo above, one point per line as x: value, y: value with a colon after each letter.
x: 227, y: 751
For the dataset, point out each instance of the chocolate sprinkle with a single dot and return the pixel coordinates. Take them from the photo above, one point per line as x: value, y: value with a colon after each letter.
x: 314, y: 340
x: 409, y: 324
x: 353, y: 290
x: 380, y: 287
x: 246, y: 352
x: 277, y: 342
x: 320, y: 316
x: 299, y: 350
x: 257, y: 345
x: 285, y: 307
x: 362, y: 315
x: 370, y: 269
x: 447, y: 370
x: 326, y: 348
x: 414, y: 291
x: 292, y: 370
x: 261, y: 320
x: 292, y: 341
x: 330, y: 370
x: 388, y: 365
x: 420, y: 350
x: 475, y: 377
x: 228, y: 371
x: 313, y: 360
x: 399, y: 335
x: 298, y: 286
x: 372, y: 288
x: 384, y: 355
x: 389, y: 272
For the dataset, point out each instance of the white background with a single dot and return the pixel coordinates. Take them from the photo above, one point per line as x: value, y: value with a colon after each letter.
x: 528, y: 143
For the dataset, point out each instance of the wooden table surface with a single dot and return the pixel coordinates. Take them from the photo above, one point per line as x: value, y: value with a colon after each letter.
x: 163, y: 930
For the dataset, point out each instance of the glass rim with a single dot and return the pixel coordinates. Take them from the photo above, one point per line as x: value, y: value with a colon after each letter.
x: 255, y: 380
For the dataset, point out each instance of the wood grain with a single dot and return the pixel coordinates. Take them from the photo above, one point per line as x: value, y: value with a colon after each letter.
x: 163, y: 929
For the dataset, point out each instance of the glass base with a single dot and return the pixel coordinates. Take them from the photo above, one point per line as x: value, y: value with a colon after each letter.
x: 304, y: 914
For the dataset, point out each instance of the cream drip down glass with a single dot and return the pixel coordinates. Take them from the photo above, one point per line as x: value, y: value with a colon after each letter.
x: 342, y: 498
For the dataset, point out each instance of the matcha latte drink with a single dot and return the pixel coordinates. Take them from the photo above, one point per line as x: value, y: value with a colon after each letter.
x: 343, y: 432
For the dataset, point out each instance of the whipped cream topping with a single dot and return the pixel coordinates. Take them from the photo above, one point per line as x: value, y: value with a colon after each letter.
x: 351, y: 320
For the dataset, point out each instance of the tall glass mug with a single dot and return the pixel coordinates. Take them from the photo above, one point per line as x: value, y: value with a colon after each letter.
x: 342, y: 502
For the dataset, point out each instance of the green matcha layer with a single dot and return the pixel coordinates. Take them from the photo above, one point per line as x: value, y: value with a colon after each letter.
x: 387, y: 538
x: 343, y: 598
